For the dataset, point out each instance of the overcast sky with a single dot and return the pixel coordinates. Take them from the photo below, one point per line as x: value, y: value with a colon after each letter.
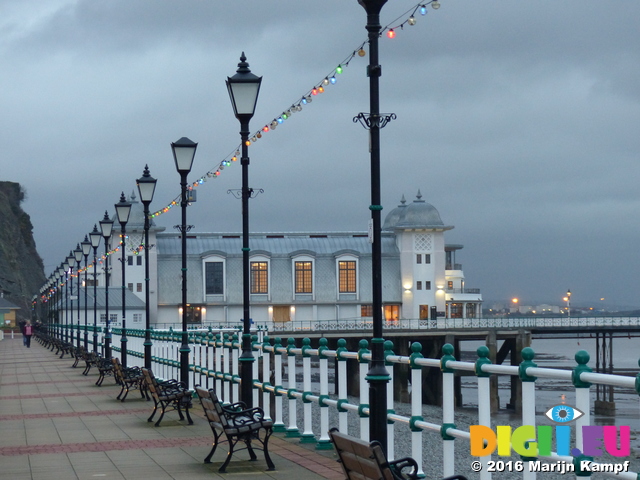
x: 515, y: 119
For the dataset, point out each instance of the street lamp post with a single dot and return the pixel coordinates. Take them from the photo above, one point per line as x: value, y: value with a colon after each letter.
x: 377, y: 376
x: 123, y: 210
x: 244, y: 88
x: 568, y: 300
x: 184, y: 150
x: 71, y: 261
x: 106, y: 225
x: 61, y: 276
x: 95, y: 241
x: 86, y: 249
x: 77, y: 253
x: 146, y: 188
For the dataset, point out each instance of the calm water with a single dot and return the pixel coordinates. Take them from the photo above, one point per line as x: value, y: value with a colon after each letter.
x: 560, y: 353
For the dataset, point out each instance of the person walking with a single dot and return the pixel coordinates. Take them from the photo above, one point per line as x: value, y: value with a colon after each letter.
x: 28, y: 331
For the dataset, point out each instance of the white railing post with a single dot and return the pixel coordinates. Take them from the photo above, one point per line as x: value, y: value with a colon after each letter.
x: 324, y: 442
x: 218, y: 352
x: 235, y: 367
x: 278, y: 425
x: 484, y: 403
x: 363, y: 364
x: 255, y: 369
x: 583, y: 400
x: 528, y: 404
x: 388, y: 350
x: 175, y: 363
x: 266, y: 376
x: 343, y: 419
x: 307, y: 434
x: 448, y: 407
x: 416, y: 406
x: 195, y: 357
x: 292, y: 429
x: 226, y: 359
x: 211, y: 349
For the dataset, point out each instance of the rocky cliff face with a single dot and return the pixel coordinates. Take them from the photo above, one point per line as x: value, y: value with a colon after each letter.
x: 21, y: 268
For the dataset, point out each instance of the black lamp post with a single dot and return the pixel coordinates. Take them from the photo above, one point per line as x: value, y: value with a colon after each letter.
x: 77, y: 253
x: 184, y: 150
x: 146, y: 188
x: 106, y: 225
x: 123, y: 210
x: 377, y: 376
x: 70, y: 262
x: 86, y: 249
x: 60, y: 275
x: 244, y: 88
x: 95, y: 241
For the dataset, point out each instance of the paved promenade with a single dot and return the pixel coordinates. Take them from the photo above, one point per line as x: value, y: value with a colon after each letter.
x: 56, y: 424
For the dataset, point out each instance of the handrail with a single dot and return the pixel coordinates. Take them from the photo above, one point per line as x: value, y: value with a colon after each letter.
x: 214, y: 363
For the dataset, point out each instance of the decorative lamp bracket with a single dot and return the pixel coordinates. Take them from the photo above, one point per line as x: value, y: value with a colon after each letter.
x: 253, y: 192
x: 369, y: 121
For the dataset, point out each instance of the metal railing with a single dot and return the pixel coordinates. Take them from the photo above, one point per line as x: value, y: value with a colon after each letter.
x: 276, y: 388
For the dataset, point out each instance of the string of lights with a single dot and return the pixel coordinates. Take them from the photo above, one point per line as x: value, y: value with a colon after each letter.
x: 408, y: 18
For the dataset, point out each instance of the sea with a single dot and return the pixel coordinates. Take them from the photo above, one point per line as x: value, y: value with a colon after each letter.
x: 550, y: 352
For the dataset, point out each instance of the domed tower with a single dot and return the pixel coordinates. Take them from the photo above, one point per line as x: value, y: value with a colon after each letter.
x: 419, y: 232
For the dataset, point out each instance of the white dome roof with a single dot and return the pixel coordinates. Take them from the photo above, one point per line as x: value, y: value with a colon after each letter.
x: 418, y: 214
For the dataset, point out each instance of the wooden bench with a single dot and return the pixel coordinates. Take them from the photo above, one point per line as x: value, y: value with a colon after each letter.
x: 238, y: 424
x: 104, y: 366
x: 90, y: 360
x: 366, y: 461
x: 169, y: 393
x: 78, y: 354
x: 129, y: 378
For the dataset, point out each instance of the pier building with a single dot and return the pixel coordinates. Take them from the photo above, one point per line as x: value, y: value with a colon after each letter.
x: 302, y: 276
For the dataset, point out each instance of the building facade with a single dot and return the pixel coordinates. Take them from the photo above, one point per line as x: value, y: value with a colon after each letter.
x: 299, y: 277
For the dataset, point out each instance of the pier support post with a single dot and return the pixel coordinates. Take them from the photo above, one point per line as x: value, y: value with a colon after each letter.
x: 492, y: 345
x: 604, y: 403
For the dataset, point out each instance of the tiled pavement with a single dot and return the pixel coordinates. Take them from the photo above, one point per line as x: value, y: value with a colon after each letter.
x: 56, y: 424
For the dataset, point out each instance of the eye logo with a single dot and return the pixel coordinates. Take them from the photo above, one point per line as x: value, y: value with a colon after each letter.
x: 563, y: 414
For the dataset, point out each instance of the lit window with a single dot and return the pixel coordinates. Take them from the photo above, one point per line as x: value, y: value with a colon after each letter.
x: 304, y: 277
x: 259, y: 277
x: 347, y: 276
x: 391, y: 312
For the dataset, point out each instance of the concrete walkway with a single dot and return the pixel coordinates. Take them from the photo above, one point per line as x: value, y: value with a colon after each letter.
x: 56, y: 424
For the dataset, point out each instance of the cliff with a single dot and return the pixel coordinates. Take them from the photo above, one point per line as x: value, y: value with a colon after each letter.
x: 21, y: 268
